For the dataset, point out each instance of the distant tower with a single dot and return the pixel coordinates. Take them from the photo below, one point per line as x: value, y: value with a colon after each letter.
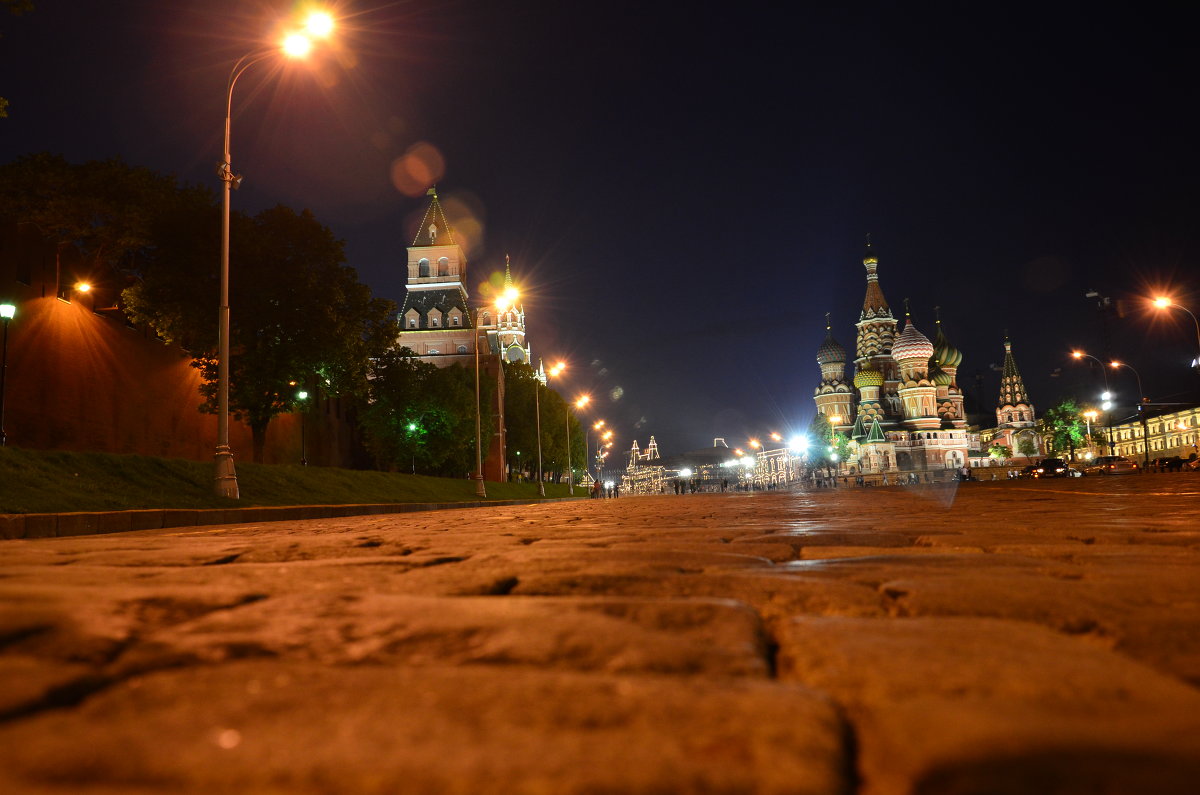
x: 510, y: 326
x: 1014, y: 408
x: 833, y: 396
x: 876, y: 334
x: 652, y: 450
x: 434, y: 319
x: 918, y: 394
x: 1015, y: 416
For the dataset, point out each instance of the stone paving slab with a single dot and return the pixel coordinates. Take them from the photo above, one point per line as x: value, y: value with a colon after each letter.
x: 1008, y: 637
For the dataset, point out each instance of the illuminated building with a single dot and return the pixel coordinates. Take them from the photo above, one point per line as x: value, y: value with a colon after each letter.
x: 903, y: 409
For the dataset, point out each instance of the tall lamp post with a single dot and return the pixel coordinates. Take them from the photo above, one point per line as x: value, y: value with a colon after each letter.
x: 295, y: 45
x: 302, y: 399
x: 7, y: 313
x: 480, y: 489
x: 1106, y: 396
x: 1141, y: 412
x: 1164, y: 302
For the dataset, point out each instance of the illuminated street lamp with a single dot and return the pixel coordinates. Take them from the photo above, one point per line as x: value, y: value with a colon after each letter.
x: 1165, y: 302
x: 7, y: 313
x: 503, y: 304
x: 1105, y: 396
x: 554, y: 372
x: 295, y: 45
x: 1141, y: 411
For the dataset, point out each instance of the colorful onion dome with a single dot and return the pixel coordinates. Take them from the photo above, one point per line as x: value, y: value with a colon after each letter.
x: 911, y: 344
x: 940, y: 377
x: 831, y: 351
x: 868, y: 376
x: 945, y: 354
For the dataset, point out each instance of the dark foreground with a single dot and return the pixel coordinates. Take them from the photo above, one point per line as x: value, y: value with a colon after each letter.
x: 1010, y: 637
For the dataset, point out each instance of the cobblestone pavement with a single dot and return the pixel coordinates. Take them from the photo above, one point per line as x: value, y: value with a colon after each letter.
x: 1010, y: 637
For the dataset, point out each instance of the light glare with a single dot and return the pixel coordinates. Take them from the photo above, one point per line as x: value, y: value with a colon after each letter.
x: 319, y: 24
x: 297, y: 45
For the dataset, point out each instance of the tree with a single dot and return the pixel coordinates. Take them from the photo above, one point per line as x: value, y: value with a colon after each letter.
x: 1000, y: 451
x: 520, y: 419
x: 1026, y: 446
x: 298, y: 314
x: 105, y: 209
x: 1063, y: 428
x: 422, y: 416
x: 827, y: 443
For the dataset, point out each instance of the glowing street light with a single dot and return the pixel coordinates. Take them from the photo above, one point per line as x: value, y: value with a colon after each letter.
x: 7, y: 313
x: 294, y: 45
x: 1141, y: 411
x: 302, y: 398
x: 554, y: 372
x: 1165, y: 302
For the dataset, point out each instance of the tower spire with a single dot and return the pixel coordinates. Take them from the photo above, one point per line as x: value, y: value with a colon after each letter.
x: 433, y: 223
x: 508, y: 282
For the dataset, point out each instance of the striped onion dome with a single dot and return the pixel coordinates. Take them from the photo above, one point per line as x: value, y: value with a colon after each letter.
x: 940, y: 377
x: 911, y: 344
x: 868, y: 376
x: 945, y: 354
x: 831, y: 351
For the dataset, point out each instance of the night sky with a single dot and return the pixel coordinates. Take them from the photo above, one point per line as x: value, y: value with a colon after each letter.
x: 686, y: 192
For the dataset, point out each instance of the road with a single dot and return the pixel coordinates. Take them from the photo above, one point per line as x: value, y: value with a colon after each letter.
x: 1008, y: 637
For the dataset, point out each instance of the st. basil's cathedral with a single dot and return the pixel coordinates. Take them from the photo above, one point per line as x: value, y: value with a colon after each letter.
x: 903, y: 409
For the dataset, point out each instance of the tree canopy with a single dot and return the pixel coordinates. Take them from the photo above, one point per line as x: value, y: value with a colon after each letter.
x: 298, y: 314
x: 421, y: 416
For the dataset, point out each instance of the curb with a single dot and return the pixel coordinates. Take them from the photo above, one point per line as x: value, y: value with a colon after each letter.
x: 85, y: 523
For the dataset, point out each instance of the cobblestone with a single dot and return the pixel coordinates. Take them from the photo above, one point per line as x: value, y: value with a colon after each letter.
x: 1007, y: 637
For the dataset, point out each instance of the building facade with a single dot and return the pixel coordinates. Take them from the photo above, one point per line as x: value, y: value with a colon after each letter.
x: 903, y: 409
x: 1173, y: 434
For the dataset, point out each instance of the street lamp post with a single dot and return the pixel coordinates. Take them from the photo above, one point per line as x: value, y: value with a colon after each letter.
x: 296, y: 45
x: 480, y: 488
x: 1163, y: 302
x: 7, y: 313
x: 1141, y: 413
x: 1106, y: 397
x: 302, y: 397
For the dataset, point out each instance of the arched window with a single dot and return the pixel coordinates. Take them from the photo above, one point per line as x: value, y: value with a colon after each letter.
x: 487, y: 318
x: 457, y: 320
x: 412, y: 322
x: 443, y: 266
x: 462, y: 348
x: 434, y: 322
x: 423, y: 267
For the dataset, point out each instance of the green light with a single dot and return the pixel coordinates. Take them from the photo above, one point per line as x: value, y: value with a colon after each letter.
x: 412, y: 426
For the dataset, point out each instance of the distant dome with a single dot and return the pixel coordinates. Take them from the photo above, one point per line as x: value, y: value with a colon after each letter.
x: 831, y: 352
x: 911, y: 344
x: 868, y: 377
x: 945, y: 354
x: 941, y: 377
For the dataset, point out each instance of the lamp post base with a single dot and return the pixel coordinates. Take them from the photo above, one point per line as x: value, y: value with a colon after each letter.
x: 480, y: 489
x: 225, y: 481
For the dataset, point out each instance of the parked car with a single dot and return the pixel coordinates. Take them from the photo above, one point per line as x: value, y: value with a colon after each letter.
x: 1052, y: 468
x: 1110, y: 465
x: 1027, y: 471
x: 1192, y: 465
x: 1167, y: 464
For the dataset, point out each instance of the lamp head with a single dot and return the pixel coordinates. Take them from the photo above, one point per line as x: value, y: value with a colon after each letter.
x: 8, y: 311
x: 319, y: 24
x: 83, y: 287
x: 1077, y: 354
x: 1162, y: 302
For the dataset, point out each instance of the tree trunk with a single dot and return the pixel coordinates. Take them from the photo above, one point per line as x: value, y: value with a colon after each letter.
x: 258, y: 434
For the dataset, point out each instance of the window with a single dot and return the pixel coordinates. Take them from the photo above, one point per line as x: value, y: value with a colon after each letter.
x: 457, y: 320
x: 462, y: 348
x: 434, y: 321
x: 412, y: 322
x: 443, y: 266
x: 432, y: 352
x: 423, y: 267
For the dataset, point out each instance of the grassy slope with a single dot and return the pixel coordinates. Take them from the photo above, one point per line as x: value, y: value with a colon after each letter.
x: 52, y: 482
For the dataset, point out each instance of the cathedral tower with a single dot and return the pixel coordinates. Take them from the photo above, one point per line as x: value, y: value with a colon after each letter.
x: 833, y: 396
x: 875, y: 337
x: 918, y: 394
x: 435, y: 320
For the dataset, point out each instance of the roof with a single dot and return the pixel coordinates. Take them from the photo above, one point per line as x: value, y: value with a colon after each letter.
x: 443, y: 300
x: 437, y: 219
